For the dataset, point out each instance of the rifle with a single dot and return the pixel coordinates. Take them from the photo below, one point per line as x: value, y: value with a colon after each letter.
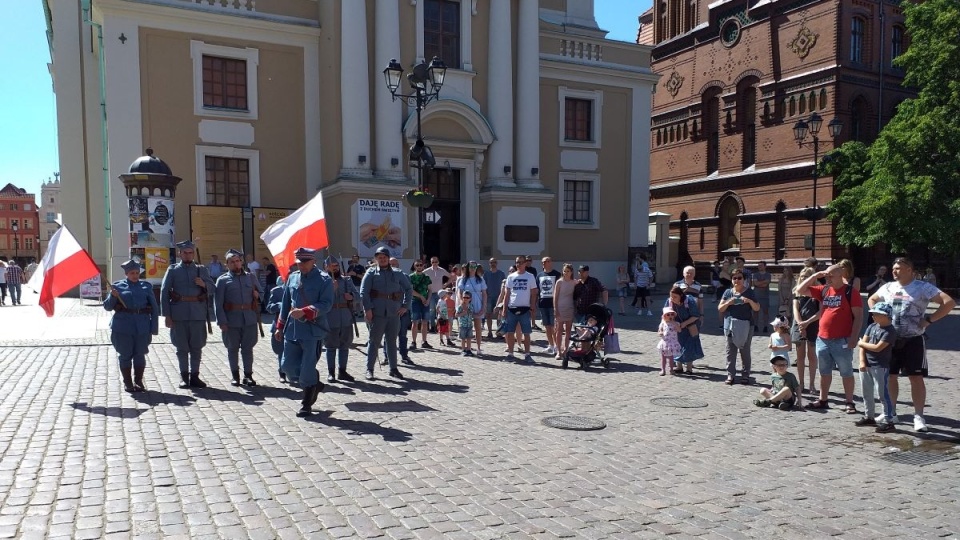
x: 356, y: 329
x: 256, y: 307
x: 203, y: 297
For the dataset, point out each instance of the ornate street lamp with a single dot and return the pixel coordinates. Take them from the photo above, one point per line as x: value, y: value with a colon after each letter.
x: 812, y: 126
x: 16, y: 241
x: 425, y: 80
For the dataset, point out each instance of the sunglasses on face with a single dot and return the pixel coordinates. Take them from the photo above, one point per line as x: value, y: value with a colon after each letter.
x: 737, y: 279
x: 418, y: 266
x: 472, y: 266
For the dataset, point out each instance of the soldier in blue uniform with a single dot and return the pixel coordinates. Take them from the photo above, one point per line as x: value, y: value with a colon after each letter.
x: 386, y: 294
x: 302, y: 325
x: 340, y: 320
x: 136, y: 319
x: 273, y: 307
x: 237, y: 306
x: 185, y: 297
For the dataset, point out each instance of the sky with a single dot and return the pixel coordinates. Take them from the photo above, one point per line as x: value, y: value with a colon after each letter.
x: 28, y: 128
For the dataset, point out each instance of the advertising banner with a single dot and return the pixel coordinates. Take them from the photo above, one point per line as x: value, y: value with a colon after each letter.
x: 263, y: 218
x: 380, y: 223
x: 91, y: 288
x: 215, y: 229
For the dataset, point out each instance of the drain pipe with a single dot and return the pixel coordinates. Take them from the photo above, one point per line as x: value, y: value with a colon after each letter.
x: 882, y: 60
x: 86, y: 10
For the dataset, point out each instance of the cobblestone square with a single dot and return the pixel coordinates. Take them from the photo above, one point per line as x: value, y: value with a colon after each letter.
x: 456, y: 451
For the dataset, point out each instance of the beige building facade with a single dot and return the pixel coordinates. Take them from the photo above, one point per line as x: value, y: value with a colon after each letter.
x: 540, y: 133
x: 50, y: 211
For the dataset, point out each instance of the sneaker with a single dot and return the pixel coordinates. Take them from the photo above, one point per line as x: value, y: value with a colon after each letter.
x: 369, y: 375
x: 427, y: 345
x: 395, y: 373
x: 649, y: 313
x: 762, y: 402
x: 464, y: 353
x: 865, y: 421
x: 784, y: 406
x: 528, y: 359
x: 640, y: 312
x: 885, y: 427
x: 510, y: 356
x: 406, y: 360
x: 919, y: 424
x: 413, y: 346
x: 489, y: 334
x: 548, y: 350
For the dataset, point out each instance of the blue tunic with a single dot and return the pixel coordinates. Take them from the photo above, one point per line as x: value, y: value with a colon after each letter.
x: 179, y: 280
x: 301, y: 345
x: 134, y: 322
x: 236, y: 290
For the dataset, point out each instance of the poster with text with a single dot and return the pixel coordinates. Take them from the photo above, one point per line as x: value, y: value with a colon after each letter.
x: 215, y: 229
x: 155, y: 263
x: 380, y: 223
x: 263, y: 218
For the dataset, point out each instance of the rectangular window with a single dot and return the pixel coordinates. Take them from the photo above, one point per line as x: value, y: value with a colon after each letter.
x: 228, y: 181
x: 14, y: 206
x: 3, y: 223
x: 51, y: 217
x: 224, y: 83
x: 577, y: 201
x: 857, y: 31
x: 14, y: 223
x: 896, y: 48
x: 441, y: 31
x: 28, y: 243
x: 578, y: 119
x: 26, y: 207
x: 28, y: 224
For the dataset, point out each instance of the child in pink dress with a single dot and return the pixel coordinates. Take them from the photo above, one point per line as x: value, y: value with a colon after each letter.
x: 669, y: 345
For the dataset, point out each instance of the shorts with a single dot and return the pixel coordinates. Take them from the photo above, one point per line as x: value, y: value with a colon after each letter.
x: 513, y: 320
x: 910, y: 358
x: 834, y: 353
x: 443, y: 326
x: 622, y: 292
x: 491, y: 305
x: 466, y: 331
x: 546, y: 316
x: 418, y: 311
x: 642, y: 292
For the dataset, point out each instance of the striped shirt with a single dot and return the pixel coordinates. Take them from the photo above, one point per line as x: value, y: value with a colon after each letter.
x: 14, y: 275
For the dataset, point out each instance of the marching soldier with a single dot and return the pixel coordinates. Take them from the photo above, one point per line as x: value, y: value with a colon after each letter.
x: 302, y: 325
x: 237, y: 306
x: 386, y: 295
x: 340, y: 319
x: 185, y: 306
x: 136, y: 319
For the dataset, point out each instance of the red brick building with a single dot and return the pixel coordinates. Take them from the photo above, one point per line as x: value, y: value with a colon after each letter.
x: 18, y: 210
x: 736, y: 77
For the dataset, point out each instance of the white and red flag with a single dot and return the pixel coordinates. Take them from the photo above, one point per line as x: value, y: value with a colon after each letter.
x: 307, y: 227
x: 65, y: 266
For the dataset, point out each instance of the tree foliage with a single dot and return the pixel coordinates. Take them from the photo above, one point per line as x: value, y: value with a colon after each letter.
x: 905, y: 188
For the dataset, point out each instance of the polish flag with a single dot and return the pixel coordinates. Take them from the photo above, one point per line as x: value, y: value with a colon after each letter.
x: 306, y: 227
x: 65, y: 266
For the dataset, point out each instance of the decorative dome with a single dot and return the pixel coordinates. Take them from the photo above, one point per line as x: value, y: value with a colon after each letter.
x: 150, y: 164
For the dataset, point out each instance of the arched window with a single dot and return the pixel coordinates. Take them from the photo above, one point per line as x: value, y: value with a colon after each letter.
x: 813, y: 101
x: 803, y: 103
x: 756, y: 235
x: 823, y: 99
x: 702, y: 240
x: 711, y: 127
x: 747, y: 118
x: 729, y: 223
x: 780, y: 232
x: 896, y: 43
x: 858, y: 116
x: 793, y: 106
x: 857, y: 35
x: 671, y: 133
x: 686, y: 132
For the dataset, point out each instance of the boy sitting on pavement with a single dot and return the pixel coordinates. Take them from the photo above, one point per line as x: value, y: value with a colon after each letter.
x: 784, y: 391
x: 876, y: 352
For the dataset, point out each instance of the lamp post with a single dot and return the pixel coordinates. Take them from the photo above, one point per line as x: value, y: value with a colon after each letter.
x: 800, y: 130
x: 16, y: 241
x: 425, y: 81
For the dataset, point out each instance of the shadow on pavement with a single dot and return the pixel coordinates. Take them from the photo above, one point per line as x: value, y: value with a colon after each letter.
x: 438, y: 370
x: 359, y: 427
x: 155, y: 397
x: 388, y: 406
x: 414, y: 384
x: 113, y: 412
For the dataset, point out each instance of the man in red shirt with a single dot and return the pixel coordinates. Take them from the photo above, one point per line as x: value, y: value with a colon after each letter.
x: 840, y: 321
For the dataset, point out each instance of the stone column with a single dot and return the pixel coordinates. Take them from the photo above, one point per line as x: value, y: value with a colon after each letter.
x: 354, y: 89
x: 528, y: 95
x: 388, y: 120
x: 500, y: 94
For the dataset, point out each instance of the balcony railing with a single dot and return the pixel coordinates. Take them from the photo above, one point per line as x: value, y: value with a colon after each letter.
x: 583, y: 50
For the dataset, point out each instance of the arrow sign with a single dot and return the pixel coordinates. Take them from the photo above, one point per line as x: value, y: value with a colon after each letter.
x: 431, y: 217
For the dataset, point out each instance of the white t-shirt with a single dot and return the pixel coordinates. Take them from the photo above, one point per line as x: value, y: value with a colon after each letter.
x: 436, y: 278
x: 3, y: 272
x: 254, y: 267
x: 520, y: 286
x: 909, y: 304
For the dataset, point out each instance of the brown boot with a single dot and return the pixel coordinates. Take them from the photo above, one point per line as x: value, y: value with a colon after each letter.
x: 127, y: 380
x: 138, y: 378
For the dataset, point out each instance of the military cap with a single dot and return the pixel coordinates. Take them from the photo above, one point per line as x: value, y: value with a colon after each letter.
x: 305, y: 254
x: 382, y: 250
x: 331, y: 260
x: 186, y: 244
x: 132, y: 264
x: 232, y: 253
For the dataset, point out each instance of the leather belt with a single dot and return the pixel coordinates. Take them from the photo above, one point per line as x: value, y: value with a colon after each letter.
x: 189, y: 299
x: 345, y: 305
x: 389, y: 296
x: 140, y: 311
x: 239, y: 307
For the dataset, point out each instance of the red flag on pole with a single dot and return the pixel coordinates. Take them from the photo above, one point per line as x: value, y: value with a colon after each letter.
x: 65, y: 265
x: 307, y: 227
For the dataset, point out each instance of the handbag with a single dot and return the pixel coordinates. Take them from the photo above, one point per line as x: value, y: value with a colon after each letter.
x: 611, y: 342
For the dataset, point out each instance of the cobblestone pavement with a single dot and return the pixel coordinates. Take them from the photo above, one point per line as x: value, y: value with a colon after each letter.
x: 457, y: 451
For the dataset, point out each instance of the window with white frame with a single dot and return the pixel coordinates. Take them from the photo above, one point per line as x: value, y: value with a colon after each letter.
x: 441, y: 31
x: 224, y: 80
x: 229, y: 176
x: 580, y: 115
x: 579, y: 201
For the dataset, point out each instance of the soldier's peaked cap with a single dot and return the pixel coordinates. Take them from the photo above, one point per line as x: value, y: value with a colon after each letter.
x: 305, y: 254
x: 130, y: 265
x: 232, y: 253
x: 186, y: 244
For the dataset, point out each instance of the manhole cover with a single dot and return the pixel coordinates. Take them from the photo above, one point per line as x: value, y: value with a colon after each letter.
x: 918, y: 458
x: 679, y: 402
x: 575, y: 423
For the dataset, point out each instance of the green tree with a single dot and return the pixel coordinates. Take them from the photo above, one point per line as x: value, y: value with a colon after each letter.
x: 905, y: 188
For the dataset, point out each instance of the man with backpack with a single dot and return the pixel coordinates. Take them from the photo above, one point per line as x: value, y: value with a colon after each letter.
x: 839, y: 331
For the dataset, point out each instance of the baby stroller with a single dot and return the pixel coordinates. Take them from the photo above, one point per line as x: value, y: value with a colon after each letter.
x: 585, y: 351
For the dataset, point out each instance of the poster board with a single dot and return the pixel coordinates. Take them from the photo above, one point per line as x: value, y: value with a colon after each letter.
x: 91, y: 288
x: 380, y: 223
x: 216, y: 229
x: 263, y: 218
